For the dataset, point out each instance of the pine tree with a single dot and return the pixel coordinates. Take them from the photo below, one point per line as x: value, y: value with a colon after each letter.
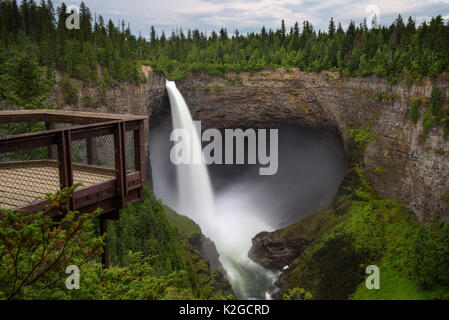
x: 282, y: 32
x: 331, y: 31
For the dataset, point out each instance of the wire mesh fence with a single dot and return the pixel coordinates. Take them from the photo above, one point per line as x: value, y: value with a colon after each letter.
x: 28, y: 174
x: 130, y: 151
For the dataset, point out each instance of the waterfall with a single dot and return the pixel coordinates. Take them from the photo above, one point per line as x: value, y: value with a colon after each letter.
x: 196, y: 196
x: 230, y: 222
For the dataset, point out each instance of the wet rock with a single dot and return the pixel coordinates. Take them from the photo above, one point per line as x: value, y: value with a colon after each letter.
x: 208, y: 250
x: 273, y: 252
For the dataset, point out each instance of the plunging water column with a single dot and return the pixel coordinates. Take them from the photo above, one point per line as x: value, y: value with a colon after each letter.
x: 195, y: 190
x: 230, y: 224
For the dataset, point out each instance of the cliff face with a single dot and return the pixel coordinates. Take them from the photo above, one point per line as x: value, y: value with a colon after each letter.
x: 124, y: 98
x: 415, y: 173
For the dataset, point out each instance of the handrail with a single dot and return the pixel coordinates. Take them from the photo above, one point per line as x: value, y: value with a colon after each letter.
x: 111, y: 195
x: 98, y: 125
x: 53, y: 115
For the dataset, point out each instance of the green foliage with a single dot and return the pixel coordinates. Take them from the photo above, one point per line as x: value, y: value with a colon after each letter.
x: 144, y: 228
x: 399, y: 51
x: 396, y: 51
x: 383, y: 97
x: 435, y: 104
x: 135, y: 281
x: 435, y: 116
x: 297, y: 294
x: 218, y: 89
x: 70, y: 91
x: 415, y: 114
x: 360, y: 139
x: 431, y: 255
x: 380, y: 170
x: 370, y: 230
x: 23, y: 82
x: 362, y: 136
x: 35, y: 250
x: 396, y: 285
x: 156, y: 231
x: 185, y: 227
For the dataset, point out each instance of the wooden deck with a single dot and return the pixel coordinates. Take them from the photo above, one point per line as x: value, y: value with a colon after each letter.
x: 69, y: 155
x: 26, y: 182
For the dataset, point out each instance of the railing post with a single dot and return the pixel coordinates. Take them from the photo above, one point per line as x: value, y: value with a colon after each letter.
x: 120, y: 164
x: 65, y: 163
x: 139, y: 154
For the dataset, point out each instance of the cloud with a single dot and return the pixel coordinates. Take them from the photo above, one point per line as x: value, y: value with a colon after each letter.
x: 250, y: 15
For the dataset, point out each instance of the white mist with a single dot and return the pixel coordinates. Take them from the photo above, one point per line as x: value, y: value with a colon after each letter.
x: 230, y: 222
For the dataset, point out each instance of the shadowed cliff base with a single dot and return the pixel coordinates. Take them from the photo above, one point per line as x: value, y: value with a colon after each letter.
x: 311, y: 166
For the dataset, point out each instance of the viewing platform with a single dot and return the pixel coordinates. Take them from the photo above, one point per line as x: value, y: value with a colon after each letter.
x: 42, y: 151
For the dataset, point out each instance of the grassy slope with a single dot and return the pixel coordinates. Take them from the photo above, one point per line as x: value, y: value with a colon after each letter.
x: 183, y: 225
x: 358, y: 230
x: 396, y: 285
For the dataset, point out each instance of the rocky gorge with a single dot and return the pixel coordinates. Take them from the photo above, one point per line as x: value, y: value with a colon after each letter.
x: 415, y: 174
x: 397, y: 162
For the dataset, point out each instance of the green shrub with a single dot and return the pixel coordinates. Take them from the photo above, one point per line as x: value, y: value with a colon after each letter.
x: 297, y: 294
x: 218, y: 89
x: 380, y: 170
x: 360, y: 139
x: 434, y: 113
x: 431, y: 255
x: 415, y: 114
x: 70, y: 91
x: 383, y: 97
x: 35, y: 250
x: 435, y: 104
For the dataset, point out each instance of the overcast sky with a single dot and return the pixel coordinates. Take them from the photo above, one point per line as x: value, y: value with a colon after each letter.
x: 250, y: 15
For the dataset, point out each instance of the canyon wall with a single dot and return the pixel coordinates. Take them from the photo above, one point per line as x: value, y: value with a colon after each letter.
x: 397, y: 163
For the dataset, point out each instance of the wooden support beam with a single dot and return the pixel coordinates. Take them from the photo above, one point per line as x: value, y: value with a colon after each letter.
x: 139, y: 153
x: 120, y: 164
x: 65, y: 162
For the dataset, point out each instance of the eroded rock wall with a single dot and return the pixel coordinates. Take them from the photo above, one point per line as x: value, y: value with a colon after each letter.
x: 414, y: 172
